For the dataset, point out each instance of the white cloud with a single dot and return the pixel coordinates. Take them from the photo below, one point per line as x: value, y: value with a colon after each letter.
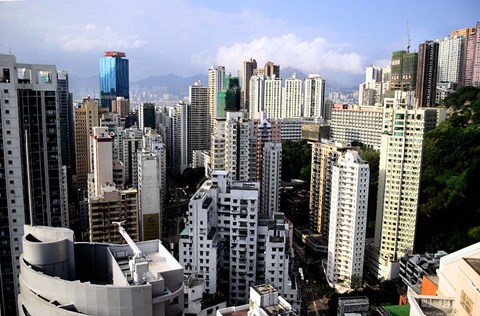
x: 90, y: 27
x: 315, y: 56
x: 86, y: 43
x: 90, y: 37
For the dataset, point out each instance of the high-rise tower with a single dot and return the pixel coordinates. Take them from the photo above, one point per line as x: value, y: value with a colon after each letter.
x: 292, y: 98
x: 30, y: 163
x: 197, y: 119
x: 348, y: 221
x: 146, y: 116
x: 404, y: 128
x: 427, y: 74
x: 314, y: 101
x: 403, y: 71
x: 272, y: 70
x: 216, y: 76
x: 228, y: 97
x: 114, y: 79
x: 248, y: 67
x: 86, y: 116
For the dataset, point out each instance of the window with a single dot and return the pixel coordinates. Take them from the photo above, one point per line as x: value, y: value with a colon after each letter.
x: 466, y: 302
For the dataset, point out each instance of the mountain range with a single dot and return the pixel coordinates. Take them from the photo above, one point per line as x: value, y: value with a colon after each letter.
x: 170, y: 83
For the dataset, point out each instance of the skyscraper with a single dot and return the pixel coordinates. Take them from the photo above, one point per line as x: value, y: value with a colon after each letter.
x: 180, y: 138
x: 216, y: 76
x: 403, y: 132
x: 358, y: 123
x: 272, y: 70
x: 106, y: 203
x: 273, y: 98
x: 198, y: 119
x: 348, y: 221
x: 30, y: 163
x: 427, y: 74
x: 450, y: 59
x: 86, y: 116
x: 314, y: 101
x: 271, y: 178
x: 114, y: 79
x: 65, y: 107
x: 228, y: 97
x: 324, y: 154
x: 371, y: 90
x: 146, y: 116
x: 256, y: 96
x: 470, y: 35
x: 248, y: 67
x: 229, y: 245
x: 292, y: 98
x: 476, y: 59
x: 121, y: 106
x: 151, y: 187
x: 403, y: 71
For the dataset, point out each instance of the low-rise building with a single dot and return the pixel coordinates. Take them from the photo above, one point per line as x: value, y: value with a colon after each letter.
x: 458, y: 286
x: 264, y: 300
x: 353, y: 305
x: 414, y: 267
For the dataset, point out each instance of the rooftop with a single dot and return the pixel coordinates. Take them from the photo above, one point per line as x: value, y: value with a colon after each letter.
x: 265, y: 289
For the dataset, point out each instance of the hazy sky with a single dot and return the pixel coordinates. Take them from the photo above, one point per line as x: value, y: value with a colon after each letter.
x: 335, y: 38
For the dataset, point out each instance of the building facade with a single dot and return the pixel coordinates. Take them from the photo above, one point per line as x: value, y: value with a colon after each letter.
x: 348, y: 222
x: 114, y: 78
x: 324, y: 154
x: 292, y: 98
x: 314, y: 97
x: 227, y: 244
x: 152, y: 187
x: 248, y: 67
x: 427, y: 74
x: 357, y: 123
x: 31, y: 177
x: 404, y: 129
x: 216, y: 76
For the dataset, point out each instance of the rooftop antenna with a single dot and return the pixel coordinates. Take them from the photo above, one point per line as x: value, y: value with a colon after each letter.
x: 408, y: 35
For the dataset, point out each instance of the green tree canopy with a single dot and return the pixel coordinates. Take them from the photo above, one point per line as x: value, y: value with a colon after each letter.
x: 449, y: 216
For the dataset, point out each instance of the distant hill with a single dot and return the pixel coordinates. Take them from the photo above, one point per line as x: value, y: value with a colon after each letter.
x: 81, y: 87
x: 287, y: 72
x: 172, y: 83
x: 177, y: 85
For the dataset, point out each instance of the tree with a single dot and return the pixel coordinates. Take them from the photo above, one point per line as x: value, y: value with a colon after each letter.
x: 449, y: 210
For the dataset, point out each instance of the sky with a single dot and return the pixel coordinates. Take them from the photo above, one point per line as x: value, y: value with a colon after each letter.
x: 336, y: 39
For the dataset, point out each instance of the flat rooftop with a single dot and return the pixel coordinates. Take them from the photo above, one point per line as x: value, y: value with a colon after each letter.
x: 157, y: 261
x: 265, y: 289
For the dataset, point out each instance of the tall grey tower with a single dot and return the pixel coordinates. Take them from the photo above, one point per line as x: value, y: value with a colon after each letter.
x: 30, y: 160
x: 248, y: 67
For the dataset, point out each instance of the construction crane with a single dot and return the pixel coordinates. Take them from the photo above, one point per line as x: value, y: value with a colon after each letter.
x: 408, y: 38
x: 138, y: 264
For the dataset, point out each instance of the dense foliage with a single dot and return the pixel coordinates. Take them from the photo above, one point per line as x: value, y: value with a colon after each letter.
x: 371, y: 156
x: 449, y: 216
x: 296, y: 160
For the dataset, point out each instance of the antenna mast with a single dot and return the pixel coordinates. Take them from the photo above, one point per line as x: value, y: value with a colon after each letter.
x: 408, y: 35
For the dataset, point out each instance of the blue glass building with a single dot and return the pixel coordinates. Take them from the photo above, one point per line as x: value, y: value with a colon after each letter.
x: 113, y: 78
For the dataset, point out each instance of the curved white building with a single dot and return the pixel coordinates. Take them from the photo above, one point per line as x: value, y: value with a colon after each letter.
x: 61, y: 277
